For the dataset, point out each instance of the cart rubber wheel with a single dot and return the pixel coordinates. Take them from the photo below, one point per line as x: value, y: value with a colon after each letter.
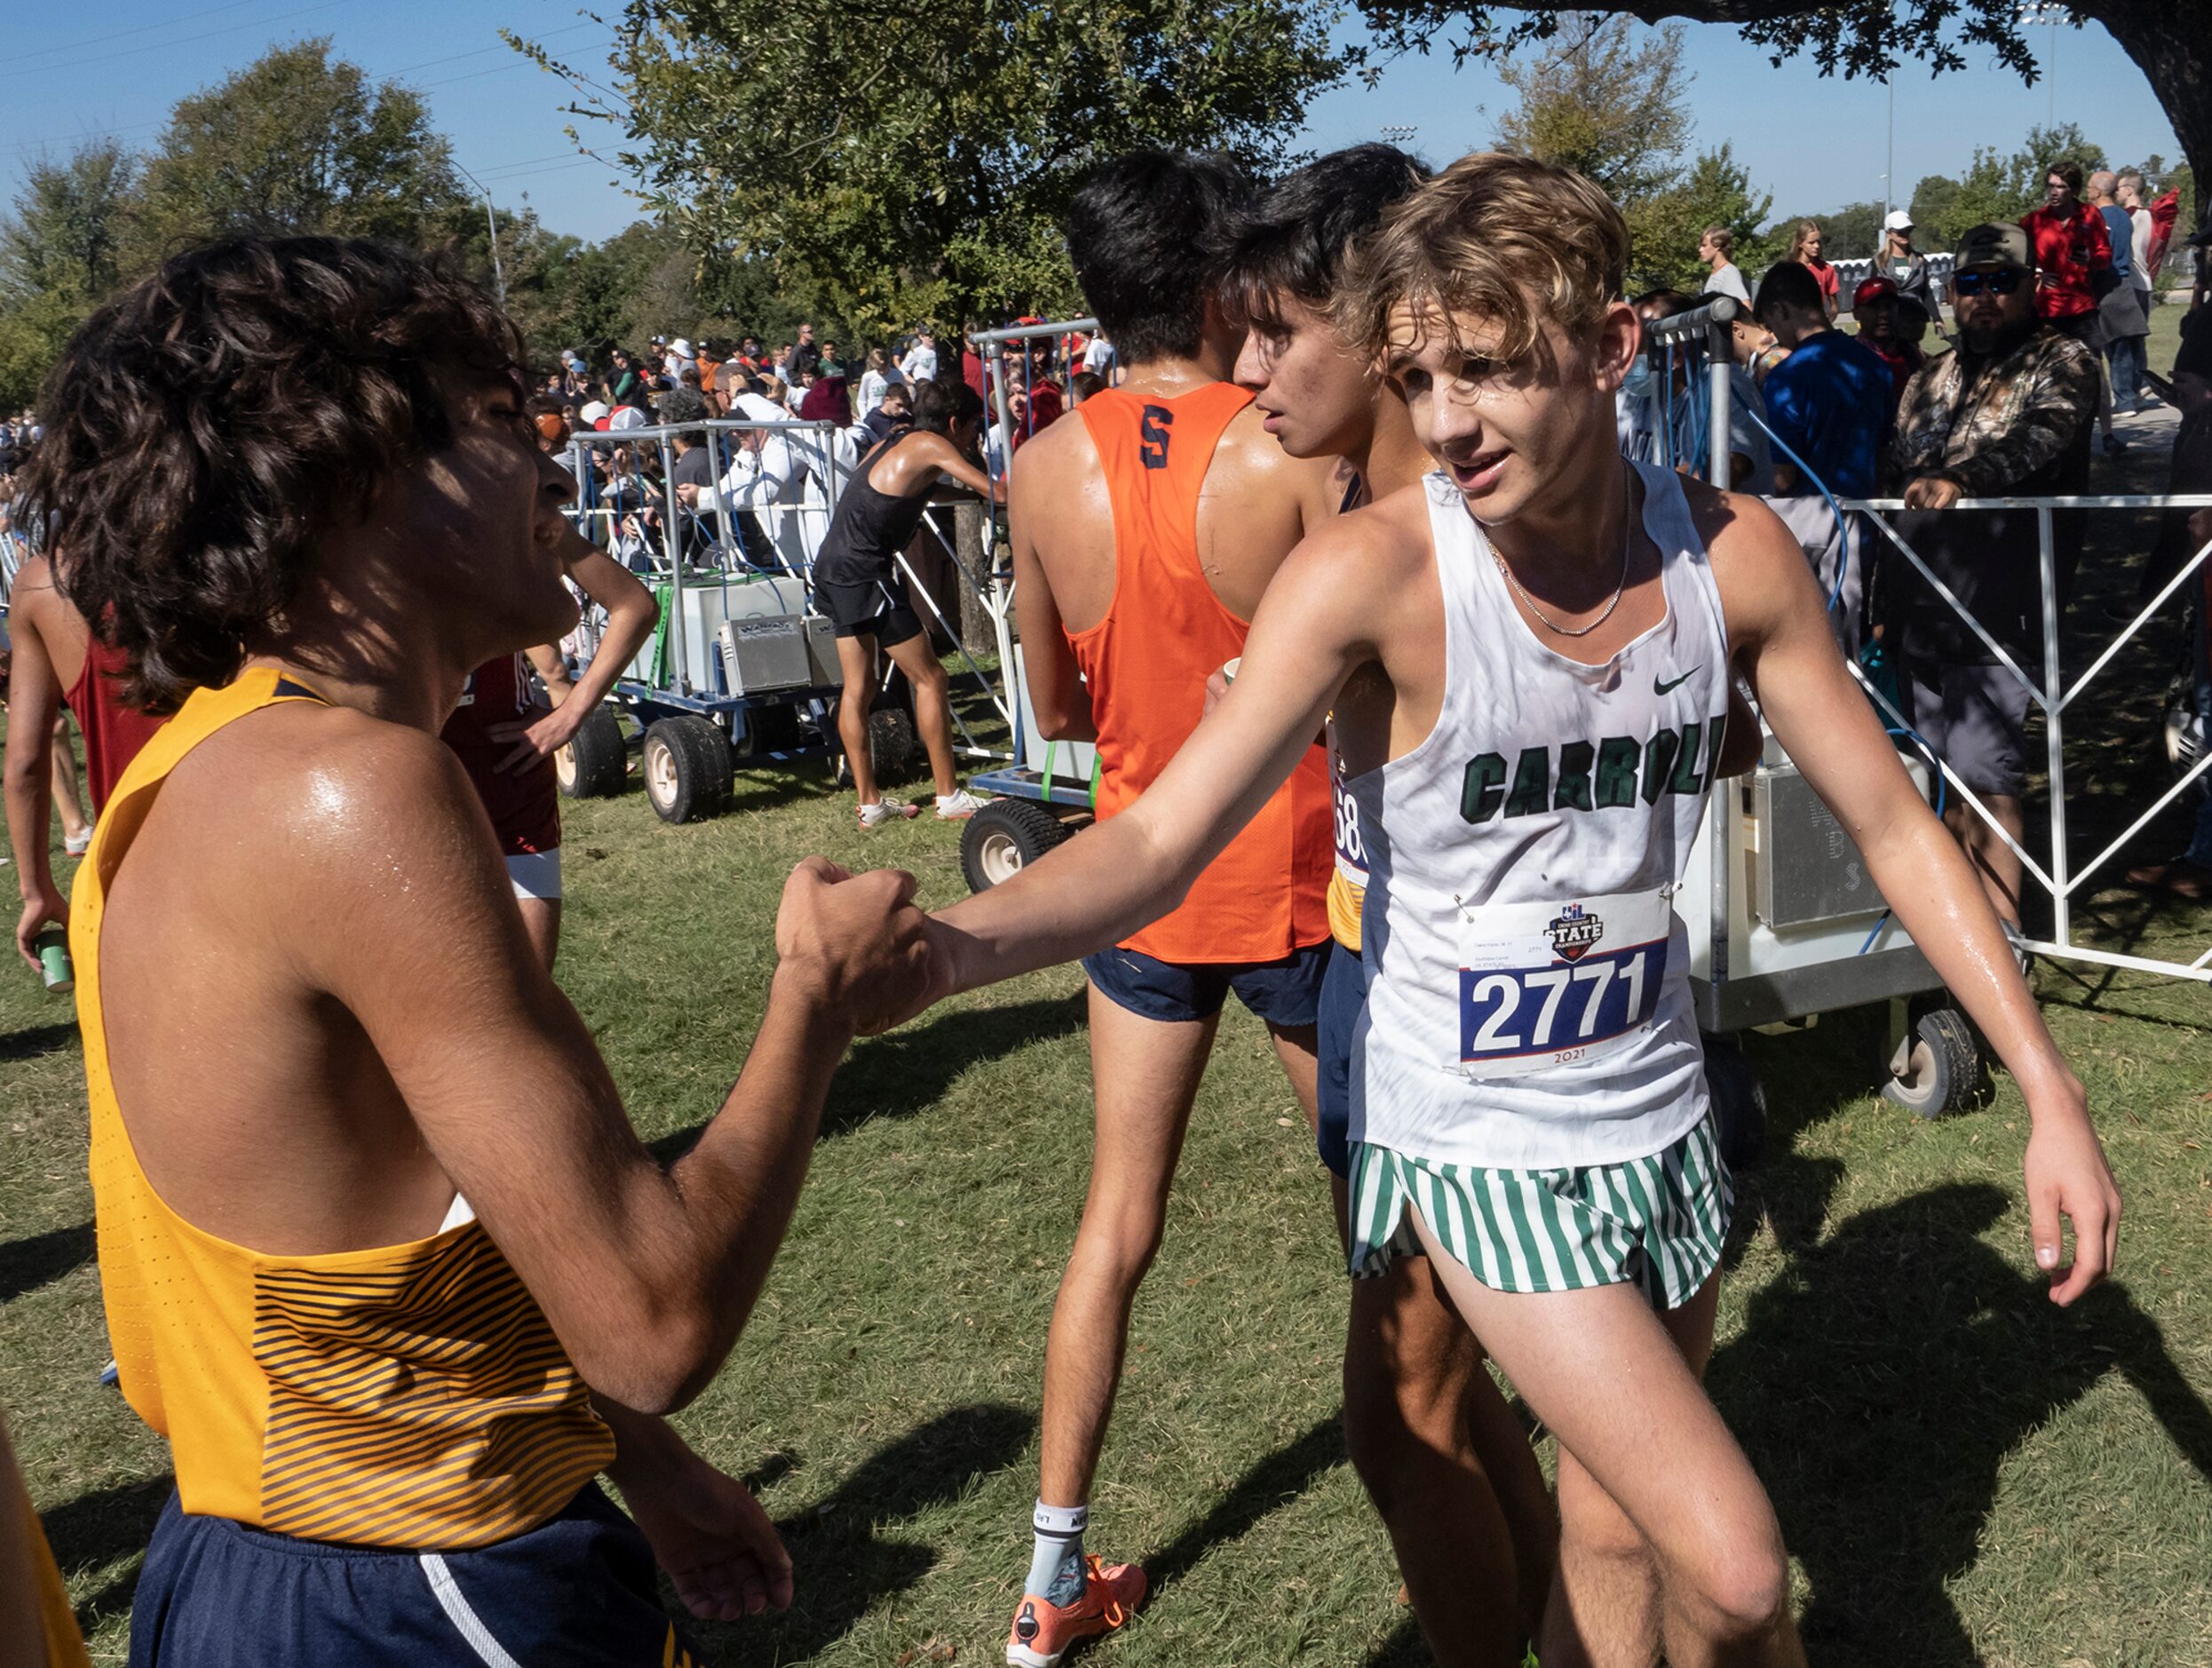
x: 596, y: 763
x: 687, y: 769
x: 1003, y: 838
x: 1937, y: 1067
x: 892, y: 743
x: 770, y: 729
x: 1738, y: 1102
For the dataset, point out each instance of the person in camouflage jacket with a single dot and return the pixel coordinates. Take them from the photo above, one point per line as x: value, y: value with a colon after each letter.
x: 2007, y: 415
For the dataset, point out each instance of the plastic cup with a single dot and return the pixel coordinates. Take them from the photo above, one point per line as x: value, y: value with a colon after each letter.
x: 53, y: 946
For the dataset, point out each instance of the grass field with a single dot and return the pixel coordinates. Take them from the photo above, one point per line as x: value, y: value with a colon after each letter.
x: 1965, y: 1474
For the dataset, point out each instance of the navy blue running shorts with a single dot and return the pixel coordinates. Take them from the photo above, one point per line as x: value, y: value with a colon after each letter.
x: 1343, y: 993
x: 576, y: 1592
x: 1286, y: 992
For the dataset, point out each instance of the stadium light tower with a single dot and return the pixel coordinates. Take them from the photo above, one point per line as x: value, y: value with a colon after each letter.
x: 1398, y: 135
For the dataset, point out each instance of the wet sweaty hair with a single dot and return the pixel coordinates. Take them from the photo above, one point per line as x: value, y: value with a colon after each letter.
x: 206, y: 427
x: 1495, y: 242
x: 1138, y: 235
x: 1294, y: 241
x: 945, y: 402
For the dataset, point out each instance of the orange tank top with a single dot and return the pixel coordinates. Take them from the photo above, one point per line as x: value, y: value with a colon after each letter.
x: 1147, y: 662
x: 407, y: 1395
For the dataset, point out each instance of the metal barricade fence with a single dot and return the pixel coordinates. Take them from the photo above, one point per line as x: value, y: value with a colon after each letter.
x: 1701, y: 409
x: 2052, y: 695
x: 799, y: 523
x: 792, y: 529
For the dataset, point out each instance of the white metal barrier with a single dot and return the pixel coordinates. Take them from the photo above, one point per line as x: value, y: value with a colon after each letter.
x: 1702, y: 336
x: 795, y: 528
x: 2052, y: 695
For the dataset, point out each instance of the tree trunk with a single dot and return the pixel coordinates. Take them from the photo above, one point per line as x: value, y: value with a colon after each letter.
x: 977, y: 634
x: 2170, y: 41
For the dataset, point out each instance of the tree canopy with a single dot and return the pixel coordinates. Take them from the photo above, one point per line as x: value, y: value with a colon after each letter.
x: 298, y: 142
x: 1615, y: 108
x: 910, y: 162
x: 2170, y: 40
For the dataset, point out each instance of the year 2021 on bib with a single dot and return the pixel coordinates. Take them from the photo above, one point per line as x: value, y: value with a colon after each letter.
x: 1544, y: 985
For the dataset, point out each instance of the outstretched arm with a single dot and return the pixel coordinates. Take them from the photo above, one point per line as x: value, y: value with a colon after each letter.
x: 1310, y: 633
x: 646, y: 1274
x: 1780, y: 637
x: 34, y: 702
x: 631, y: 613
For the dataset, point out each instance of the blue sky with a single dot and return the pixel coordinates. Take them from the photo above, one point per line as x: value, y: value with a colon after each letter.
x: 1815, y: 144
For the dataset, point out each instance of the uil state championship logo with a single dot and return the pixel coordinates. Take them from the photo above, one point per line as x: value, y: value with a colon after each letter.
x: 1574, y: 931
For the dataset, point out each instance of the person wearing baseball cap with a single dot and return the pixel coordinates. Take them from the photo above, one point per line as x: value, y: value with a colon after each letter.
x: 2009, y: 414
x: 593, y: 413
x: 1874, y: 307
x: 1906, y: 267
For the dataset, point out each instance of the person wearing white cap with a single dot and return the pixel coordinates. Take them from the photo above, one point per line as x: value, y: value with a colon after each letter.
x: 593, y: 413
x: 679, y: 358
x: 1907, y: 269
x: 772, y: 468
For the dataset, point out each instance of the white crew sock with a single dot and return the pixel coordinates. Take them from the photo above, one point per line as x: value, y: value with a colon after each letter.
x: 1056, y: 1562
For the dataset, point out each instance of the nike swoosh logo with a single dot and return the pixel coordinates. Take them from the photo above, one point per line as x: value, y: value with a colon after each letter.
x: 1661, y: 687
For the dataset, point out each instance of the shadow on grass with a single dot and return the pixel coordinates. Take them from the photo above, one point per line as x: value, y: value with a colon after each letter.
x: 35, y: 1040
x: 845, y: 1562
x: 27, y: 1263
x: 95, y: 1530
x: 1272, y: 1482
x: 911, y: 1070
x: 1879, y: 1385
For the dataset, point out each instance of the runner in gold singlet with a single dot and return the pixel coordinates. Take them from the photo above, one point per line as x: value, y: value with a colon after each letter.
x: 381, y: 1255
x: 37, y: 1629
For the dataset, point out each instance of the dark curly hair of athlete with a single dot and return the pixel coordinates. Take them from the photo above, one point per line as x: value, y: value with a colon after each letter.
x: 204, y: 428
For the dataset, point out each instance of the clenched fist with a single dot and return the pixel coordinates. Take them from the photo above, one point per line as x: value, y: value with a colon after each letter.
x: 855, y: 945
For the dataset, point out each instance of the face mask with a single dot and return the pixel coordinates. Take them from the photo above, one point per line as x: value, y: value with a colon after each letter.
x: 1638, y: 381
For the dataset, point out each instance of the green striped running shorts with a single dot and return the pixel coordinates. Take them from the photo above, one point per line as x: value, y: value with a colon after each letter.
x: 1660, y: 1220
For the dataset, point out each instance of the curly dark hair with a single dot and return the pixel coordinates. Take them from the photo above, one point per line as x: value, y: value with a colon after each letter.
x: 205, y: 427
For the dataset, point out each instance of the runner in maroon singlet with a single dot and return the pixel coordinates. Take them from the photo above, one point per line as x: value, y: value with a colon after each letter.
x: 57, y: 659
x: 506, y: 739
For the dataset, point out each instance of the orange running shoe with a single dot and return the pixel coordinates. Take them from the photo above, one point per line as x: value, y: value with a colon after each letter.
x: 1044, y: 1632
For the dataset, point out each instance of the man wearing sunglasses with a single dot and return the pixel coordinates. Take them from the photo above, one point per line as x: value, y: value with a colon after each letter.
x: 2007, y: 415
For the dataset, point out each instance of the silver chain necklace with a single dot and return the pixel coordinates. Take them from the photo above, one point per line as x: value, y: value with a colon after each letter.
x: 1628, y: 523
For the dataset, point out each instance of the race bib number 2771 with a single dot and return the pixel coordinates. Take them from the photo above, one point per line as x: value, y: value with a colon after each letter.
x: 1543, y: 985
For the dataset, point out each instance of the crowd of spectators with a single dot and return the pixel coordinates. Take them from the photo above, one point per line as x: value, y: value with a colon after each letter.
x: 2050, y: 322
x: 858, y: 400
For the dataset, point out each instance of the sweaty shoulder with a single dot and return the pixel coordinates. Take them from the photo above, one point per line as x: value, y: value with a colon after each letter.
x: 329, y: 796
x: 1248, y: 456
x: 1053, y: 456
x: 1367, y: 561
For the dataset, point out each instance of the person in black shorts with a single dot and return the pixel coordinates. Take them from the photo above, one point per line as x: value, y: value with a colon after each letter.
x: 857, y: 586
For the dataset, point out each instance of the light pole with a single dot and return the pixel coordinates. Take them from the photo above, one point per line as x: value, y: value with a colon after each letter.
x: 491, y: 224
x: 1889, y: 179
x: 1398, y: 135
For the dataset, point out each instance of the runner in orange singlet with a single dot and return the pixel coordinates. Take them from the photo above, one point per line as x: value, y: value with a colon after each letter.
x: 1182, y: 509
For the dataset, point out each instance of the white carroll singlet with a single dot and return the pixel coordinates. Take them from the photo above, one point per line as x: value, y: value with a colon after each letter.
x: 1528, y: 1001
